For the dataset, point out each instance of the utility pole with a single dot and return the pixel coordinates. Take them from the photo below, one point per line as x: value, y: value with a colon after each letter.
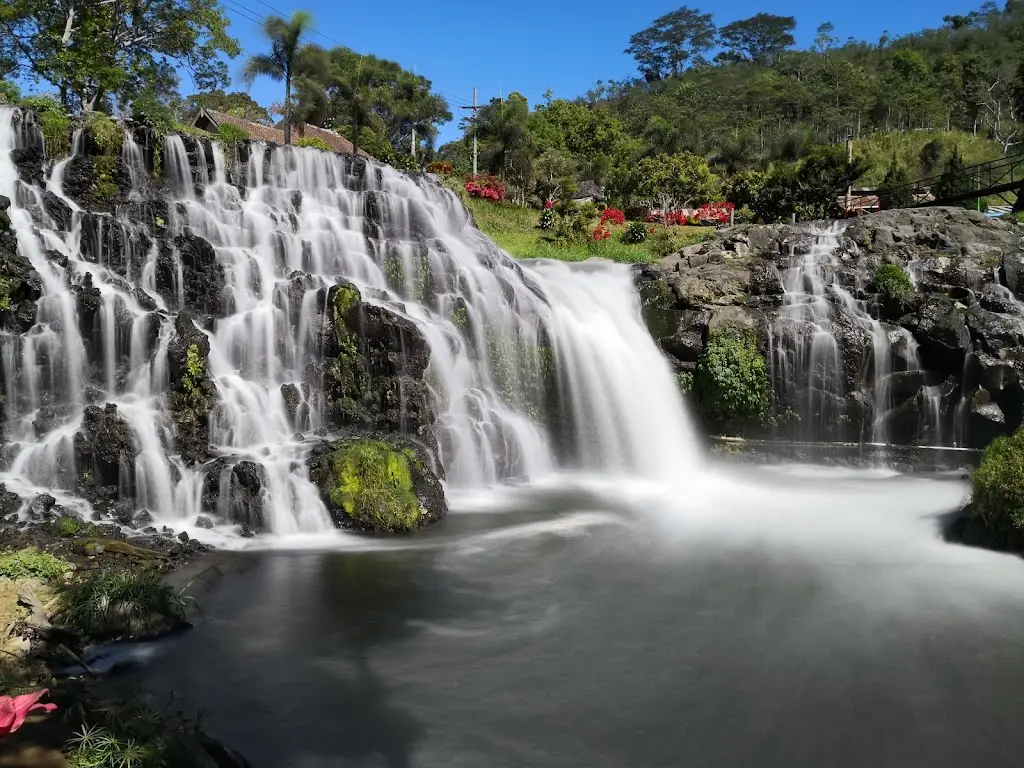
x: 475, y: 107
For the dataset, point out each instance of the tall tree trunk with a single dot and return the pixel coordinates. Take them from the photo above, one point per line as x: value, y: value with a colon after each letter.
x: 355, y: 132
x: 288, y: 108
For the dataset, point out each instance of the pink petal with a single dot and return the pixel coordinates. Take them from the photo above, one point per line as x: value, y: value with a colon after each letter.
x: 13, y: 711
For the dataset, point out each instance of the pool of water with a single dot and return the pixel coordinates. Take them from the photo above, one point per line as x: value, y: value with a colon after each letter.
x: 788, y: 616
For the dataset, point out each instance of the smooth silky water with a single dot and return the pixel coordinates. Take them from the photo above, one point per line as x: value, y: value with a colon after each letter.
x: 631, y: 604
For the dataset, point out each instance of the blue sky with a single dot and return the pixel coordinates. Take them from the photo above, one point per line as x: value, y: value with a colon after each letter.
x: 533, y: 45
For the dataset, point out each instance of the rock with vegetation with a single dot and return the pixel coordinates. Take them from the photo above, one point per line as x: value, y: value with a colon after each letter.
x: 731, y: 382
x: 378, y: 483
x: 105, y: 447
x: 936, y: 278
x: 192, y: 393
x: 374, y: 363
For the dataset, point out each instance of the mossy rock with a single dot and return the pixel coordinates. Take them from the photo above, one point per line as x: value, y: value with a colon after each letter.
x: 378, y: 484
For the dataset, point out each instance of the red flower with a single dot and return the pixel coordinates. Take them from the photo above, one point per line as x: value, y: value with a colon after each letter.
x: 601, y: 232
x: 613, y: 215
x: 549, y: 204
x: 486, y: 187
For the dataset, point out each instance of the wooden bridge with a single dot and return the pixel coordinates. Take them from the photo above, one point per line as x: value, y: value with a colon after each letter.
x: 997, y: 178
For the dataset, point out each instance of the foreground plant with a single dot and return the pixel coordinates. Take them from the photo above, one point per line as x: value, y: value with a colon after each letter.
x: 14, y: 710
x: 130, y: 603
x: 998, y: 484
x: 33, y: 564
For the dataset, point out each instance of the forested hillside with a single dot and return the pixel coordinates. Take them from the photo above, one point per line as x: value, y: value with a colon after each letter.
x: 744, y: 98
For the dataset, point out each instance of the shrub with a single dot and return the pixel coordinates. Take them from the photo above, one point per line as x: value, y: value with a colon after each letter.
x: 715, y: 213
x: 9, y: 92
x: 636, y: 232
x: 613, y: 216
x: 31, y: 563
x: 601, y: 232
x: 731, y: 381
x: 892, y: 282
x: 547, y: 219
x: 895, y: 191
x: 107, y: 135
x: 486, y: 187
x: 312, y: 142
x: 998, y: 483
x: 68, y: 526
x: 108, y: 605
x: 54, y: 123
x: 441, y: 168
x: 231, y: 134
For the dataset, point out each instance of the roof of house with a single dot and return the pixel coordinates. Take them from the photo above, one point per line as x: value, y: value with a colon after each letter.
x: 273, y: 135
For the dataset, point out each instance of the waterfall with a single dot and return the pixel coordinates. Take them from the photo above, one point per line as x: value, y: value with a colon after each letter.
x: 825, y: 344
x: 532, y: 367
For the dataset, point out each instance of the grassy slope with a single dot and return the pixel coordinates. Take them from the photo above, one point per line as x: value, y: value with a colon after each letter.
x: 515, y: 230
x: 878, y: 149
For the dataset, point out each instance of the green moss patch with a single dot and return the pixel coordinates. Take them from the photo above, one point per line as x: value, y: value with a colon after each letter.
x: 999, y: 484
x: 731, y: 382
x: 372, y: 483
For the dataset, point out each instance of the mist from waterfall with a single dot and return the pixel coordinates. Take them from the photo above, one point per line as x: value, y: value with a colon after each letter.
x: 507, y: 341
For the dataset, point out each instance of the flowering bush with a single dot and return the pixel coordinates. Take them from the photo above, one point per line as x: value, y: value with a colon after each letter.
x: 601, y: 232
x: 613, y: 216
x: 441, y: 168
x: 486, y: 187
x: 547, y: 219
x: 549, y: 204
x: 716, y: 213
x: 635, y: 233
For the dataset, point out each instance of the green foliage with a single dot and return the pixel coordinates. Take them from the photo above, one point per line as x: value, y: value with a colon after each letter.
x: 7, y: 286
x: 68, y: 526
x: 313, y: 142
x: 104, y: 168
x: 998, y: 484
x: 895, y: 192
x: 672, y: 40
x: 731, y: 381
x: 811, y: 189
x: 231, y: 134
x: 759, y: 39
x: 106, y: 134
x: 672, y: 181
x: 547, y: 219
x: 127, y: 733
x: 892, y: 282
x: 955, y: 179
x: 54, y: 122
x: 372, y: 483
x: 33, y: 564
x: 635, y: 232
x: 685, y: 382
x: 102, y: 56
x: 110, y: 604
x: 9, y: 92
x: 192, y: 381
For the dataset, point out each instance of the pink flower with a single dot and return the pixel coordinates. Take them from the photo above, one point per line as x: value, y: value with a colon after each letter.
x: 14, y: 710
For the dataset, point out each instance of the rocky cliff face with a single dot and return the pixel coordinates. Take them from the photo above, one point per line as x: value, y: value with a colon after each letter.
x: 156, y: 343
x: 852, y: 358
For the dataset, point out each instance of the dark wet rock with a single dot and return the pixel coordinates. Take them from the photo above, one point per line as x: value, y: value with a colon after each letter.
x: 987, y: 420
x: 939, y: 326
x: 292, y: 399
x: 10, y: 503
x: 29, y: 162
x: 386, y: 483
x: 375, y: 360
x: 204, y: 522
x: 237, y: 493
x: 203, y: 282
x: 994, y: 332
x: 192, y: 393
x: 42, y: 507
x: 106, y: 446
x: 22, y: 286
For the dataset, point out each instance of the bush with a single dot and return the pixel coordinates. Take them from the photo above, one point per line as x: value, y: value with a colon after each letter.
x: 998, y: 484
x: 613, y: 216
x: 892, y: 282
x: 9, y: 92
x: 895, y: 191
x: 486, y: 187
x: 635, y: 233
x: 441, y: 168
x: 547, y: 219
x: 54, y: 123
x: 731, y: 381
x: 372, y: 483
x: 68, y: 526
x: 31, y: 563
x: 231, y: 134
x: 312, y: 142
x: 107, y: 135
x: 109, y: 605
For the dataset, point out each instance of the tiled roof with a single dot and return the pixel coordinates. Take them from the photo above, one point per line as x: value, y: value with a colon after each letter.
x: 272, y: 135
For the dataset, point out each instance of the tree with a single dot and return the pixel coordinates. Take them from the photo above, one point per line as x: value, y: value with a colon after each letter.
x: 673, y: 181
x: 895, y: 191
x: 236, y: 104
x: 824, y: 39
x: 96, y: 51
x: 507, y: 147
x: 760, y: 38
x: 286, y: 58
x: 663, y: 49
x: 955, y: 179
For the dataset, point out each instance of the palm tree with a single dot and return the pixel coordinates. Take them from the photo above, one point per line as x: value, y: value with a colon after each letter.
x: 285, y: 58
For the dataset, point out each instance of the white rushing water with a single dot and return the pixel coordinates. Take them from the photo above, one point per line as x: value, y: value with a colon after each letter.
x: 494, y: 329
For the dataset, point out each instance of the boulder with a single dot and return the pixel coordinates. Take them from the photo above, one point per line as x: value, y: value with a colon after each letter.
x: 106, y: 446
x: 378, y: 483
x: 236, y: 492
x: 939, y: 325
x: 203, y: 281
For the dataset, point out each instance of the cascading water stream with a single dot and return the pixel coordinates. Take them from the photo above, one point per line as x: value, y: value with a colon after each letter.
x: 507, y: 342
